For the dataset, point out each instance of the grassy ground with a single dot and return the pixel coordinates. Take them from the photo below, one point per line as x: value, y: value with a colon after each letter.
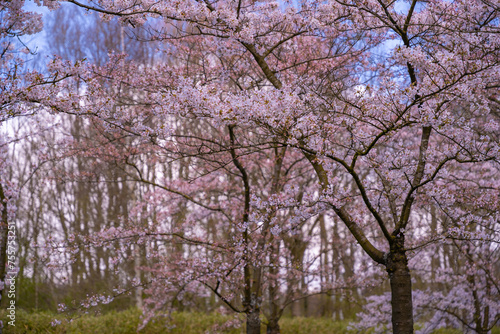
x: 182, y: 323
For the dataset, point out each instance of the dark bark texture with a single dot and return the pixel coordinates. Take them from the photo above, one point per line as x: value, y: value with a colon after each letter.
x: 253, y: 322
x: 273, y: 327
x: 400, y: 279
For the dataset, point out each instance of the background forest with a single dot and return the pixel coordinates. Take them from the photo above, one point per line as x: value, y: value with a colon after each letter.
x: 335, y: 160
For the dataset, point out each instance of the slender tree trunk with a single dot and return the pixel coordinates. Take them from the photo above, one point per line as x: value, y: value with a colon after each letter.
x: 273, y: 326
x: 253, y: 319
x: 252, y: 298
x: 400, y: 278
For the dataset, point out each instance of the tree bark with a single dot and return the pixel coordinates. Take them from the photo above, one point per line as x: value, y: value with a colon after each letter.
x: 253, y: 321
x: 400, y: 279
x: 273, y: 327
x: 252, y: 274
x: 275, y: 312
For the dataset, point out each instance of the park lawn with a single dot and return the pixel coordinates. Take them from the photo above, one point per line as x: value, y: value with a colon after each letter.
x: 126, y: 322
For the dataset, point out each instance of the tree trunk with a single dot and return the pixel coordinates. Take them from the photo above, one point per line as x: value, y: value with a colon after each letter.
x: 400, y: 278
x: 273, y: 327
x: 274, y: 308
x: 253, y: 321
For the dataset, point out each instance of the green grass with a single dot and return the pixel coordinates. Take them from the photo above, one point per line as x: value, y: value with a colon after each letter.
x: 126, y: 322
x: 113, y: 322
x: 313, y: 326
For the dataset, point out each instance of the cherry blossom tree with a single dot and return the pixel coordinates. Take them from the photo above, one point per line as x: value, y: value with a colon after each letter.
x: 393, y: 97
x: 196, y: 240
x: 458, y: 289
x: 15, y: 24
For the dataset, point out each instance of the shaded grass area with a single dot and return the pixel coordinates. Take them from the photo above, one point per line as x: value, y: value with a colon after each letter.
x: 126, y: 322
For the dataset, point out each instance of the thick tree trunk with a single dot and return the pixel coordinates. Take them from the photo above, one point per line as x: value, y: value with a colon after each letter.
x: 273, y: 327
x: 253, y: 322
x: 400, y: 278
